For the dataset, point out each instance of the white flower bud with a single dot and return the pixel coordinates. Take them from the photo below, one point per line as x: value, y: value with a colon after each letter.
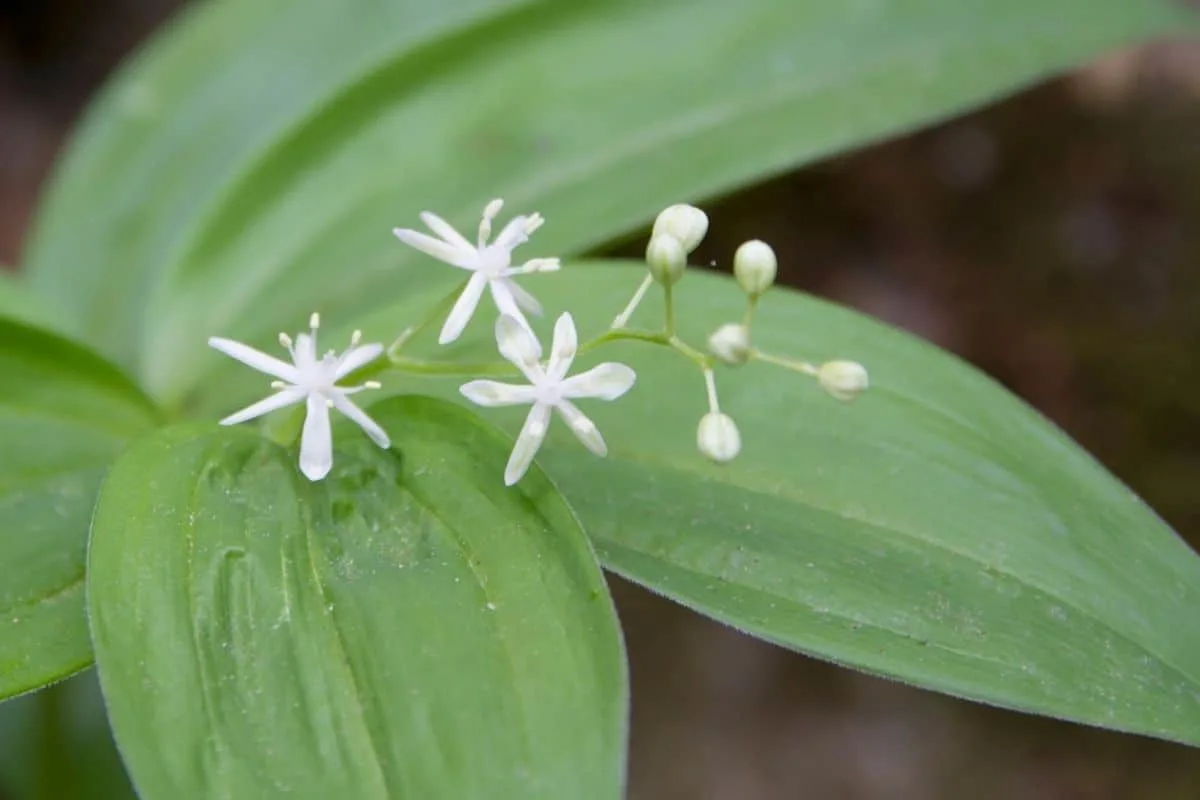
x: 718, y: 437
x: 666, y: 258
x: 754, y: 266
x: 730, y: 343
x: 845, y: 380
x: 687, y: 224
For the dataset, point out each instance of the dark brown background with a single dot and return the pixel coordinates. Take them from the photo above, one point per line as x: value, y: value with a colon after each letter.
x: 1049, y: 239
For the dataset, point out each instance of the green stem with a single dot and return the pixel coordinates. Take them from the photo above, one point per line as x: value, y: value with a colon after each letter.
x: 49, y: 778
x: 787, y: 363
x: 748, y: 318
x: 710, y: 388
x: 626, y: 334
x: 623, y: 318
x: 669, y: 309
x: 653, y: 337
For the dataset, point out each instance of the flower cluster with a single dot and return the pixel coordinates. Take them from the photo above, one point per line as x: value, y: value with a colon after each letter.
x: 677, y: 232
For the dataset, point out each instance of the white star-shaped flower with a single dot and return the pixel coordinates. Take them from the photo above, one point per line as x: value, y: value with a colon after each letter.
x: 490, y: 263
x: 549, y: 388
x: 310, y: 380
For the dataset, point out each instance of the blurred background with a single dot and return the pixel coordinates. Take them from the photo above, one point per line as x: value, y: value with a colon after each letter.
x: 1048, y: 239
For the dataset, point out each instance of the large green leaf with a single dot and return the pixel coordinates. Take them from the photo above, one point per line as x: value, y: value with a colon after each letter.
x: 406, y: 628
x: 65, y: 414
x: 937, y: 530
x: 18, y: 302
x: 248, y: 167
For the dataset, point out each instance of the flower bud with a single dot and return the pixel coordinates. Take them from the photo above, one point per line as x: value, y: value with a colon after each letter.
x: 687, y: 224
x: 730, y: 343
x: 718, y: 437
x: 754, y: 266
x: 666, y: 258
x: 845, y: 380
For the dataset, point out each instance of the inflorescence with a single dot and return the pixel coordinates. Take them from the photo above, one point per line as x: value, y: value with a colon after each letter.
x: 677, y: 232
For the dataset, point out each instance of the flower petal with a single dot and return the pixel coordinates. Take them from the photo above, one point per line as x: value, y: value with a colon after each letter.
x: 533, y: 432
x: 493, y: 394
x: 506, y: 303
x: 287, y: 397
x: 583, y: 428
x: 513, y: 235
x: 433, y: 247
x: 446, y: 231
x: 606, y: 381
x: 563, y: 348
x: 255, y: 358
x: 518, y: 345
x: 316, y: 440
x: 305, y: 353
x: 524, y: 300
x: 359, y: 417
x: 464, y: 307
x: 356, y: 357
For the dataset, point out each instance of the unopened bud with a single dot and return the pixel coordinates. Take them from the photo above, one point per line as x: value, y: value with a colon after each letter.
x: 845, y: 380
x: 718, y: 438
x: 754, y: 266
x: 730, y: 343
x: 687, y: 224
x: 666, y: 258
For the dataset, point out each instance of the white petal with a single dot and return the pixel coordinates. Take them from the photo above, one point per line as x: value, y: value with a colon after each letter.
x: 513, y: 235
x: 518, y: 345
x: 606, y: 381
x: 305, y: 353
x: 492, y: 394
x: 431, y: 246
x: 255, y: 358
x: 582, y: 427
x: 464, y: 307
x: 356, y: 357
x: 563, y: 348
x: 506, y: 303
x: 533, y: 432
x: 316, y: 440
x: 446, y: 231
x: 525, y: 301
x: 287, y: 397
x: 359, y: 417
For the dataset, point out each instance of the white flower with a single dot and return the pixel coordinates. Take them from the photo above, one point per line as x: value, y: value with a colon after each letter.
x: 666, y: 258
x: 549, y: 389
x: 755, y: 266
x: 310, y: 380
x: 490, y: 263
x: 717, y: 437
x: 845, y: 380
x: 687, y: 224
x: 731, y: 344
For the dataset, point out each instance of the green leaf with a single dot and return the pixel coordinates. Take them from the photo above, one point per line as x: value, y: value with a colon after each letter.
x: 248, y: 167
x: 406, y: 628
x: 18, y: 302
x: 65, y: 414
x: 937, y: 530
